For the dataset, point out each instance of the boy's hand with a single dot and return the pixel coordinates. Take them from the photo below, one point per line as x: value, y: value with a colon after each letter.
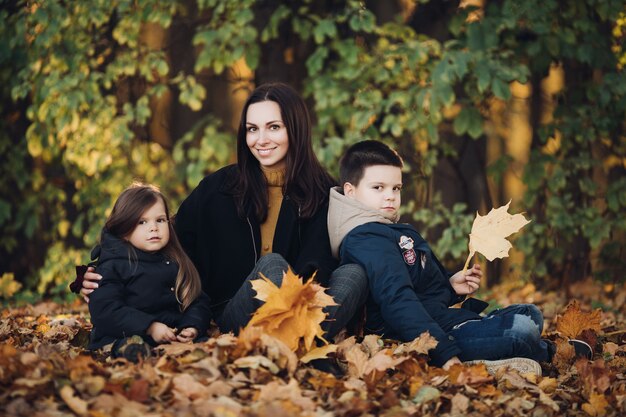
x: 187, y: 335
x: 468, y: 282
x: 161, y: 333
x: 90, y: 282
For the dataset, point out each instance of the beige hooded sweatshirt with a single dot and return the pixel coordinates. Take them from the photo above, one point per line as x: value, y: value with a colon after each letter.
x: 345, y: 213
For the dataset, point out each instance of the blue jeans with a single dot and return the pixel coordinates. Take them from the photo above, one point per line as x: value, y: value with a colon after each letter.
x: 347, y: 285
x: 514, y: 331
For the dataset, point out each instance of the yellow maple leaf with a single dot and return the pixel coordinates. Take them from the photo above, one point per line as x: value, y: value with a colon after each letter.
x: 292, y: 312
x: 489, y: 232
x: 596, y: 406
x: 574, y: 321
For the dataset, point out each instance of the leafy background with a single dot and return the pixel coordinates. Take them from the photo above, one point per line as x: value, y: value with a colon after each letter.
x: 486, y: 100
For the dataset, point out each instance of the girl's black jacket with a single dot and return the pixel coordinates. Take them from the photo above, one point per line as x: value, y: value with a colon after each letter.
x: 224, y: 247
x: 137, y: 289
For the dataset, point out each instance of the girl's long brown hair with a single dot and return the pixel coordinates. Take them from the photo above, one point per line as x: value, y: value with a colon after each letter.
x: 127, y: 211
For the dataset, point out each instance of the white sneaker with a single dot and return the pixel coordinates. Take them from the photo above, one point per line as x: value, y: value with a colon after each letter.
x: 521, y: 365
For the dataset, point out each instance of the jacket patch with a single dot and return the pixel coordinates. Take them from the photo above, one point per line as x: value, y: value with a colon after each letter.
x: 409, y: 256
x: 408, y: 253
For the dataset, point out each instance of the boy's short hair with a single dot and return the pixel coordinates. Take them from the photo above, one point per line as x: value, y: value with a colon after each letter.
x: 365, y: 154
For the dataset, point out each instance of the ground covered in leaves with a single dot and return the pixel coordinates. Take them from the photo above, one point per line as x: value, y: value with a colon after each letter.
x: 45, y: 370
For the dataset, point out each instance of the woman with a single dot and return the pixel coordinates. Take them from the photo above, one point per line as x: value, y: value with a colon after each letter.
x: 263, y: 214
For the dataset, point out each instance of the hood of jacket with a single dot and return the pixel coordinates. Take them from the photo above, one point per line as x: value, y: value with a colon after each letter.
x: 111, y: 247
x: 345, y: 213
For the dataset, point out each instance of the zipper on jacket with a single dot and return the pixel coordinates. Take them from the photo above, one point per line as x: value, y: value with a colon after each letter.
x: 256, y: 257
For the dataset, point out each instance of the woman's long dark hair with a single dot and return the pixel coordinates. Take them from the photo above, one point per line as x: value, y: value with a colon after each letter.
x: 127, y: 211
x: 306, y: 182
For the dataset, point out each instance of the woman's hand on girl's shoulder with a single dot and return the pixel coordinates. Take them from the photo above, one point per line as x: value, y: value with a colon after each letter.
x: 90, y: 282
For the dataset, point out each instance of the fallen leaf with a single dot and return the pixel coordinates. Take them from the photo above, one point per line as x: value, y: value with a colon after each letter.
x: 489, y: 232
x: 255, y: 362
x: 467, y: 375
x: 595, y: 375
x: 426, y: 394
x: 420, y: 345
x: 276, y: 391
x: 318, y: 353
x: 596, y: 406
x: 574, y: 321
x: 460, y: 404
x: 75, y: 403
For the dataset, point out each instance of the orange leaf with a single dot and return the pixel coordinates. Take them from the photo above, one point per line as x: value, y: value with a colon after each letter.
x: 292, y: 312
x: 574, y: 321
x: 318, y: 353
x: 596, y: 406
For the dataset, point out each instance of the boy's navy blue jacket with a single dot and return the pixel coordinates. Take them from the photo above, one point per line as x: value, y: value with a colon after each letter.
x: 136, y: 290
x: 410, y: 292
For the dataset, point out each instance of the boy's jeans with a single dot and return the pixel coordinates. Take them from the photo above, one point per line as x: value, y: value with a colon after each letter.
x: 513, y: 331
x: 348, y: 287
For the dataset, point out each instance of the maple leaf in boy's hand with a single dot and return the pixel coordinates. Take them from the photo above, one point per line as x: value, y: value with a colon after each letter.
x: 489, y: 232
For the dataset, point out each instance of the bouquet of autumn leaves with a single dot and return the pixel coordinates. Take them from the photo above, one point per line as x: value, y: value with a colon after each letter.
x: 293, y: 313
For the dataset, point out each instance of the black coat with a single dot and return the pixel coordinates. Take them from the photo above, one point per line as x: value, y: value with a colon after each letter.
x: 135, y: 291
x: 225, y: 247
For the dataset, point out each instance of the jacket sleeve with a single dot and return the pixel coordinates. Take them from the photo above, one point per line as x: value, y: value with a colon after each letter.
x: 186, y: 221
x: 454, y: 297
x: 391, y: 289
x: 109, y: 312
x: 315, y: 253
x: 198, y: 315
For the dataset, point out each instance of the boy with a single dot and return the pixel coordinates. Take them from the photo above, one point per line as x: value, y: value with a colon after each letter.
x: 410, y: 291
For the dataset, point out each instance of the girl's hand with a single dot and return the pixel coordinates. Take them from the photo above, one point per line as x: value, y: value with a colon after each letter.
x: 464, y: 284
x: 90, y: 282
x: 187, y: 335
x: 161, y: 333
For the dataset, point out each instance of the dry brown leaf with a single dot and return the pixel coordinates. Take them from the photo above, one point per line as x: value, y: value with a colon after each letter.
x: 574, y: 321
x: 292, y: 312
x: 381, y: 361
x: 421, y: 345
x: 357, y: 360
x: 277, y: 391
x: 255, y: 362
x: 461, y: 374
x: 460, y: 404
x: 186, y: 388
x: 75, y: 403
x: 596, y: 406
x: 548, y: 385
x: 489, y: 232
x: 595, y: 375
x: 372, y: 344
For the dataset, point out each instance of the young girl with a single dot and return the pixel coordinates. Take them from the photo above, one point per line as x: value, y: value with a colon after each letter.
x: 149, y: 286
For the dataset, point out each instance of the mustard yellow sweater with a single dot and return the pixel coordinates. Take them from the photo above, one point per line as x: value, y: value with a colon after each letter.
x: 275, y: 182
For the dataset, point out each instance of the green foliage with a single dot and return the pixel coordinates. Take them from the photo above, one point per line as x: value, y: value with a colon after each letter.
x: 79, y: 81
